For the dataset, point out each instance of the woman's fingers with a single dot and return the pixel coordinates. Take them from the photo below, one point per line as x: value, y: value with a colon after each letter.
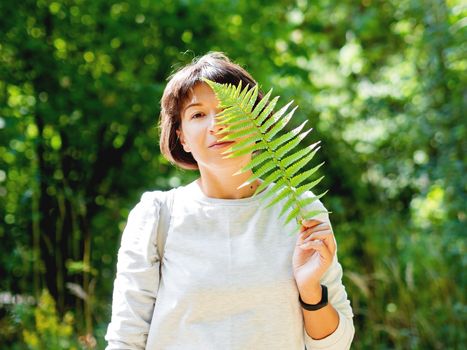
x: 316, y: 230
x: 306, y: 224
x: 322, y: 235
x: 325, y: 235
x: 305, y: 232
x: 320, y: 247
x: 316, y: 245
x: 321, y: 227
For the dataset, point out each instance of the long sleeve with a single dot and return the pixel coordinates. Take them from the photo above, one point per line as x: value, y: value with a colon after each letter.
x: 137, y: 278
x: 342, y: 337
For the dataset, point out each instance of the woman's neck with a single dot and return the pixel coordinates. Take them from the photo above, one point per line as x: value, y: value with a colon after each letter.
x: 224, y: 185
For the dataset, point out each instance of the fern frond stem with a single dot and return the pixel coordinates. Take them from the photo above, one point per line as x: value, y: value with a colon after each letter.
x: 287, y: 180
x: 279, y: 165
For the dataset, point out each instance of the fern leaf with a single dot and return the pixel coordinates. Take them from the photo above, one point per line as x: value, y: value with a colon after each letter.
x: 238, y: 134
x: 242, y: 144
x: 307, y: 215
x: 301, y: 205
x: 292, y: 214
x: 286, y: 137
x: 307, y: 201
x: 264, y: 170
x: 255, y: 162
x: 291, y: 145
x: 236, y: 90
x: 279, y: 196
x: 291, y: 171
x: 246, y: 97
x: 250, y: 98
x: 280, y: 124
x: 260, y: 106
x: 278, y: 188
x: 300, y: 202
x: 294, y: 199
x: 231, y: 116
x: 313, y: 213
x: 266, y: 111
x: 269, y: 179
x: 229, y: 93
x: 277, y: 117
x: 242, y: 95
x: 246, y: 150
x: 244, y: 124
x: 258, y: 128
x: 287, y: 208
x: 298, y: 155
x: 296, y: 180
x: 283, y: 150
x: 308, y: 187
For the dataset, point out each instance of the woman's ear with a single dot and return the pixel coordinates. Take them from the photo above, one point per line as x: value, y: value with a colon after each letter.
x: 182, y: 140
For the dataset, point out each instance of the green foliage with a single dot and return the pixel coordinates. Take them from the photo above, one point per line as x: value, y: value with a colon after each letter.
x: 279, y: 161
x: 381, y: 82
x: 43, y: 328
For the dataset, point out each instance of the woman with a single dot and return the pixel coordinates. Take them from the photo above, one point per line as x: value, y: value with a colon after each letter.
x: 231, y: 277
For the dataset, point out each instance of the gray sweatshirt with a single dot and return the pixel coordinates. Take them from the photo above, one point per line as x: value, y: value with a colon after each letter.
x: 226, y: 279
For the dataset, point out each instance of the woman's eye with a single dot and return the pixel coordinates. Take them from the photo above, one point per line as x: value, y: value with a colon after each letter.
x: 196, y: 115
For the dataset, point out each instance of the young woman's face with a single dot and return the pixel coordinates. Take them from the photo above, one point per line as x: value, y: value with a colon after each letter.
x: 199, y: 127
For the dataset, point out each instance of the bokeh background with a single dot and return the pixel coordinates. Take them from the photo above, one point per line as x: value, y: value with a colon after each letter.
x: 383, y: 83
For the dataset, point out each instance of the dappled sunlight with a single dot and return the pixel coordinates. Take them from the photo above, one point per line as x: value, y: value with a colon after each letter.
x: 382, y: 84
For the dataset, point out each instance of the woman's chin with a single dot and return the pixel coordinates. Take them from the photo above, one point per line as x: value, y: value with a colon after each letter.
x: 233, y: 165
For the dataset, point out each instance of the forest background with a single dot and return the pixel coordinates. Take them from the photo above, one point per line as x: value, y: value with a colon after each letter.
x: 381, y: 82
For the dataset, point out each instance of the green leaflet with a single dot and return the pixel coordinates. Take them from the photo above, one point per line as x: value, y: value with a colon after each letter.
x: 302, y: 203
x: 242, y: 144
x: 280, y: 194
x: 252, y: 99
x: 280, y: 162
x: 229, y: 115
x: 236, y: 135
x: 297, y: 180
x: 238, y: 126
x: 261, y: 106
x: 277, y: 190
x: 290, y: 145
x: 274, y: 176
x: 280, y: 124
x: 286, y: 137
x: 247, y: 102
x: 297, y: 155
x: 275, y: 118
x: 299, y: 165
x: 256, y: 161
x: 267, y: 110
x: 261, y: 171
x: 308, y: 214
x: 246, y: 150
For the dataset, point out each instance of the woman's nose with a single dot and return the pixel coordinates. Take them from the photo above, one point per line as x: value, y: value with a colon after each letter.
x: 215, y: 126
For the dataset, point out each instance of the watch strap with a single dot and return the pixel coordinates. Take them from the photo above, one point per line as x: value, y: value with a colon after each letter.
x: 323, y: 302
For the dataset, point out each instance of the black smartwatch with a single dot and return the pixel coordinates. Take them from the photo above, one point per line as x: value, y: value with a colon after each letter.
x: 313, y: 307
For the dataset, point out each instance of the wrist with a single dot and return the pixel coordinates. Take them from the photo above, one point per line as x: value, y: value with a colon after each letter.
x: 312, y: 294
x: 316, y: 305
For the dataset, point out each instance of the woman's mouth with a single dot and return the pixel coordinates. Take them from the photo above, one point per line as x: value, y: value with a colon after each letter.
x: 221, y: 144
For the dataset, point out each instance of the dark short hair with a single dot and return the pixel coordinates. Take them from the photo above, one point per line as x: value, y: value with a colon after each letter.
x: 214, y: 66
